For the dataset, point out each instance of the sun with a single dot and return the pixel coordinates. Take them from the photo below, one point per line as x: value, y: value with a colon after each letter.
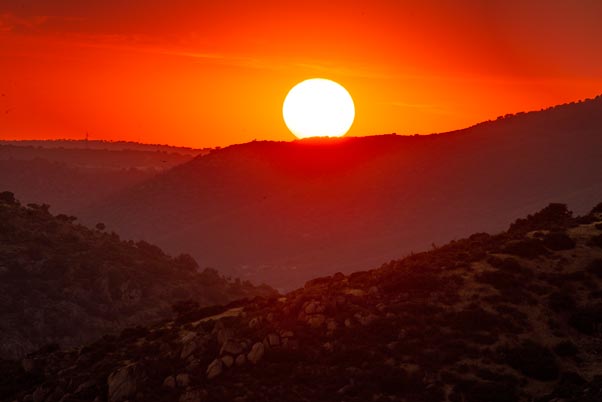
x: 318, y: 108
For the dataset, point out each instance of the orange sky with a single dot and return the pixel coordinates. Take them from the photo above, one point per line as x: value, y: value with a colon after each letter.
x: 208, y: 73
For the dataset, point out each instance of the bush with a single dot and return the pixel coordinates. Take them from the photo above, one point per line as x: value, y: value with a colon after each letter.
x: 597, y: 209
x: 587, y: 320
x: 499, y: 279
x: 509, y: 265
x: 7, y: 197
x: 595, y: 267
x: 596, y: 241
x: 527, y: 248
x: 561, y: 301
x: 533, y: 360
x: 566, y: 349
x: 553, y: 217
x: 484, y: 391
x: 558, y: 241
x: 186, y: 262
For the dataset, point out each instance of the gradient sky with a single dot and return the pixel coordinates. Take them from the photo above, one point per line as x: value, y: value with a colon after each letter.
x: 209, y: 73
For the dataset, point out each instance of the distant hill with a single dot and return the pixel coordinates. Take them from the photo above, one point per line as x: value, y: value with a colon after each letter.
x: 106, y: 146
x: 513, y: 317
x: 71, y: 174
x: 63, y: 283
x: 283, y: 212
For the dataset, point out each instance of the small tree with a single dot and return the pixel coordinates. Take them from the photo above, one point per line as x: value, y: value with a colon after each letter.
x: 6, y: 197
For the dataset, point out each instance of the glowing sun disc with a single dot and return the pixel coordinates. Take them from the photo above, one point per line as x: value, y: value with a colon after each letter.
x: 318, y: 108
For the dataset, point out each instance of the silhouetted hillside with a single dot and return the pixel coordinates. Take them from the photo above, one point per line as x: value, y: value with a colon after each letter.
x: 61, y: 282
x: 107, y: 146
x: 510, y: 317
x: 72, y: 174
x: 283, y: 212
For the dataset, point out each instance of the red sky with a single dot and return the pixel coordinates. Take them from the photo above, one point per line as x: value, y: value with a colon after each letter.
x: 208, y: 73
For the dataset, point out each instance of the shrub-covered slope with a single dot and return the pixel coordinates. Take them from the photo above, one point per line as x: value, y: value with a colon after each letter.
x: 63, y: 283
x: 511, y: 317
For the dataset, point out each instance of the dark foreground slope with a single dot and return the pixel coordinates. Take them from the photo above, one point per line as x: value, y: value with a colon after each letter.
x: 511, y: 317
x: 64, y: 283
x: 286, y: 212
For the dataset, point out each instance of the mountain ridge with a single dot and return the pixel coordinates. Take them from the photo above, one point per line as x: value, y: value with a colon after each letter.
x: 282, y: 212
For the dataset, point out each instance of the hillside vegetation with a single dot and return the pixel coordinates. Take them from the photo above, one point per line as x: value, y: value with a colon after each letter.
x: 510, y: 317
x: 63, y: 283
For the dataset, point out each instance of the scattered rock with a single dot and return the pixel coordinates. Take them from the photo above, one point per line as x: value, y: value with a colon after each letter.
x: 314, y: 307
x: 287, y: 334
x: 228, y: 361
x: 273, y: 340
x: 192, y: 346
x: 365, y: 319
x: 232, y: 347
x: 214, y: 369
x: 125, y: 382
x: 331, y: 325
x: 256, y: 353
x: 316, y: 321
x: 193, y: 395
x: 240, y: 360
x: 169, y: 382
x: 40, y: 393
x: 183, y: 380
x: 254, y: 323
x: 29, y: 365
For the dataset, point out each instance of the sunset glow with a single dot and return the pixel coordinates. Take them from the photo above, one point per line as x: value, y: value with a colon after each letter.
x: 215, y: 73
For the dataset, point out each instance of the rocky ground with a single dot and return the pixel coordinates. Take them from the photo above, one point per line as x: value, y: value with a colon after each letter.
x: 511, y: 317
x: 63, y: 283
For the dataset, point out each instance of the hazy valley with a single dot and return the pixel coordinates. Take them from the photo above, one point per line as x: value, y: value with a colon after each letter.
x: 282, y: 213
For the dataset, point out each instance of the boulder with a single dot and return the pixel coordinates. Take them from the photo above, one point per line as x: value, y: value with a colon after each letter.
x: 29, y: 365
x: 287, y: 334
x: 221, y: 332
x: 256, y: 353
x: 214, y: 369
x: 183, y: 380
x: 228, y: 361
x: 124, y: 382
x: 40, y: 393
x: 316, y: 321
x: 273, y: 340
x: 240, y: 360
x: 191, y: 346
x: 254, y: 323
x: 193, y: 395
x: 331, y: 325
x: 232, y: 347
x: 365, y: 319
x: 169, y: 382
x: 313, y: 307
